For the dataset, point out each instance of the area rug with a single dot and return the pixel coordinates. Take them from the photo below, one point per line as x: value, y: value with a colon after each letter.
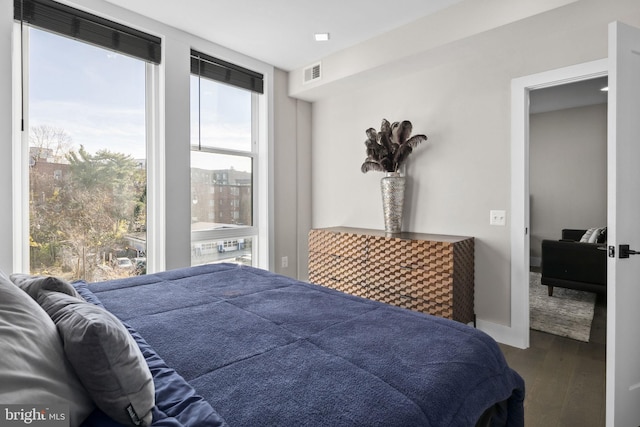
x: 568, y: 313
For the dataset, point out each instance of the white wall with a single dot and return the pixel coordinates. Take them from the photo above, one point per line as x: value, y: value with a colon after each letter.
x: 568, y: 172
x: 174, y: 130
x: 459, y: 95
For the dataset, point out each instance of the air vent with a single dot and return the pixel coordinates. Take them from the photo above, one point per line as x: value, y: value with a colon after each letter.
x: 311, y: 73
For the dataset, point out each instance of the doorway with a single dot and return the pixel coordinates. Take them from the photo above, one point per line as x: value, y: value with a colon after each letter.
x: 568, y: 196
x: 521, y: 89
x: 567, y: 160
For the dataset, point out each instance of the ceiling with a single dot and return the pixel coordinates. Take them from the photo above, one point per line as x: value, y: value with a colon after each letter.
x: 281, y: 32
x: 570, y: 95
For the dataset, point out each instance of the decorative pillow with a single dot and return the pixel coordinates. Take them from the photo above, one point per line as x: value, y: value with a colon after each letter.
x: 105, y: 356
x: 602, y: 238
x: 596, y: 235
x: 33, y: 367
x: 586, y: 236
x: 33, y: 285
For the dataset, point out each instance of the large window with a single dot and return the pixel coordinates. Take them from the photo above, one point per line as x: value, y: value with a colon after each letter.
x: 223, y: 162
x: 85, y: 127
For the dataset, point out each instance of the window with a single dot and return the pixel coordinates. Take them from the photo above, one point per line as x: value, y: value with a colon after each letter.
x: 223, y: 161
x: 85, y: 109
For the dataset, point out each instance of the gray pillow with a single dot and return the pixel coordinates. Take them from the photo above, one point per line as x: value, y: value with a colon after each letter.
x: 105, y: 356
x: 33, y: 367
x: 33, y: 285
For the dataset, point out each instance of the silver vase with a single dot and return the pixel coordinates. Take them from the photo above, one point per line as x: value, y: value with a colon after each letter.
x: 392, y: 186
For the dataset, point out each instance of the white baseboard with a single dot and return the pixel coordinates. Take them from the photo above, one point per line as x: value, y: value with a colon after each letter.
x: 503, y: 334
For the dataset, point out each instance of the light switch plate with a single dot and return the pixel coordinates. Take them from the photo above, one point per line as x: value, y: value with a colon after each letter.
x: 497, y: 217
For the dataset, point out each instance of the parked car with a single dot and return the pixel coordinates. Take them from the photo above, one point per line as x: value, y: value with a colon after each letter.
x: 244, y: 259
x: 140, y: 265
x: 123, y: 263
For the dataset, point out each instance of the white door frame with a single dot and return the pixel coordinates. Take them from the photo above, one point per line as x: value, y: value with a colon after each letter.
x: 520, y: 221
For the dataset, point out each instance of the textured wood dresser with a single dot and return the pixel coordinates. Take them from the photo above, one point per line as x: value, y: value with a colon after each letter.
x: 425, y: 272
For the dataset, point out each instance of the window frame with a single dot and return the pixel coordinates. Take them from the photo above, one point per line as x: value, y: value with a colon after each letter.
x: 154, y: 144
x: 20, y: 151
x: 169, y: 173
x: 254, y: 231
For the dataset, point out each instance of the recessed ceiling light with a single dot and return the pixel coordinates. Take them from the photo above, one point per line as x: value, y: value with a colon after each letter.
x: 605, y: 89
x: 321, y: 37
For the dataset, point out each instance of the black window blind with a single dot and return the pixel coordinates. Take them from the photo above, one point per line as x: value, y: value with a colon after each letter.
x: 216, y: 69
x: 68, y: 21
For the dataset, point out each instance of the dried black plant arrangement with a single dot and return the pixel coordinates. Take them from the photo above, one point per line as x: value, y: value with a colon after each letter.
x: 388, y: 149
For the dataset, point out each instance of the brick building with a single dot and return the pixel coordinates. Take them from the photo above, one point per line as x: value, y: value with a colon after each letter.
x: 221, y: 196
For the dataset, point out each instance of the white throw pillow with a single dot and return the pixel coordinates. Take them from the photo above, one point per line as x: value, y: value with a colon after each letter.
x: 594, y: 237
x: 586, y: 236
x: 33, y: 366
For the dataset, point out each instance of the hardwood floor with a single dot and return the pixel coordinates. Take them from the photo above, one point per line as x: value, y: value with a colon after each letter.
x: 564, y: 378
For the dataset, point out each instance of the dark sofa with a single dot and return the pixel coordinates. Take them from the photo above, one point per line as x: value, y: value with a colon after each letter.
x: 568, y: 263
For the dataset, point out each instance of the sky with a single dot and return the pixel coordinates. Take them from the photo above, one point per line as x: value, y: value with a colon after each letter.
x: 98, y: 98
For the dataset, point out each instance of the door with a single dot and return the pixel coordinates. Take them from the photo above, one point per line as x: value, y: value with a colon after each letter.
x: 623, y: 299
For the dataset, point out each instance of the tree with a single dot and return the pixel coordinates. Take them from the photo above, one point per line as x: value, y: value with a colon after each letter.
x: 77, y: 215
x: 47, y: 142
x: 102, y: 197
x: 47, y: 149
x: 114, y: 174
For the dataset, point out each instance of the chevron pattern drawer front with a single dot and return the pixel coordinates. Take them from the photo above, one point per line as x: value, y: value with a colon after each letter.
x: 337, y: 260
x: 428, y: 254
x: 343, y: 274
x: 349, y: 245
x: 429, y: 273
x: 417, y: 304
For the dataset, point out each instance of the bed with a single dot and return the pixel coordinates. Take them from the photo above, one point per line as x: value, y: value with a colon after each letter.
x: 240, y: 346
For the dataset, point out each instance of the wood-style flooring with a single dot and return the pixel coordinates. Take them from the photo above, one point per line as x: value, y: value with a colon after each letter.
x: 564, y: 378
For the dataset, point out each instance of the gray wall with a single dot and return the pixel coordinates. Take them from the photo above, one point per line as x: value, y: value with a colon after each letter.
x: 568, y: 172
x: 292, y: 174
x: 457, y: 93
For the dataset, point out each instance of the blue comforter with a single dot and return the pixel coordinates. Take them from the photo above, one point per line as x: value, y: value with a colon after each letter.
x: 240, y: 346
